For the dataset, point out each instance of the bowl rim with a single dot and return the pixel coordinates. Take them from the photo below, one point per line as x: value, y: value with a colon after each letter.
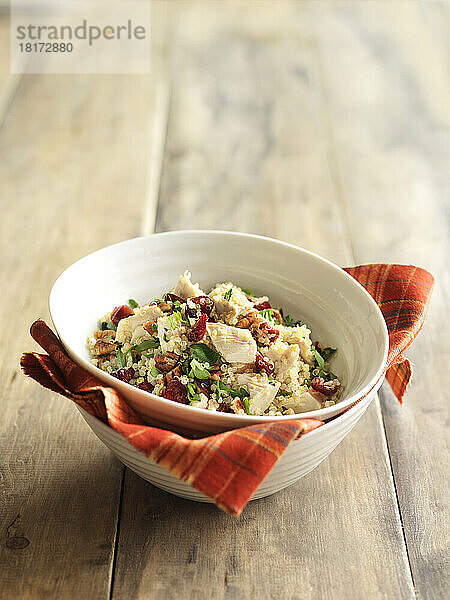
x: 321, y: 414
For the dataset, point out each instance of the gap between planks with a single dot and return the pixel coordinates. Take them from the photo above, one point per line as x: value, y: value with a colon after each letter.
x: 160, y: 124
x: 342, y: 205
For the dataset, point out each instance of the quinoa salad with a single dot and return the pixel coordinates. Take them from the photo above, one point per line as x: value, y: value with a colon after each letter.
x: 226, y: 351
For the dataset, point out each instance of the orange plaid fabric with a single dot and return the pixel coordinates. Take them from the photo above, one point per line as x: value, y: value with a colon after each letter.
x: 230, y: 466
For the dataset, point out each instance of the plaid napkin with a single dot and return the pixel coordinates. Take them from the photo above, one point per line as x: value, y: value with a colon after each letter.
x: 229, y: 467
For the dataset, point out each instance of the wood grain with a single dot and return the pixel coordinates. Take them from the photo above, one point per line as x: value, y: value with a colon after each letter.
x: 74, y: 170
x: 320, y: 123
x: 393, y: 172
x: 248, y: 149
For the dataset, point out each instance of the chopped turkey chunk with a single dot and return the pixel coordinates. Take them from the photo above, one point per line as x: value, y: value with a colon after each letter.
x: 229, y: 351
x: 186, y: 289
x: 261, y: 391
x: 141, y: 315
x: 233, y: 344
x: 284, y: 357
x: 230, y: 302
x: 299, y: 335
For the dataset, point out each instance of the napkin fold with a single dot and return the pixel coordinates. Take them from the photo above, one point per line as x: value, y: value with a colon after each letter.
x: 229, y: 467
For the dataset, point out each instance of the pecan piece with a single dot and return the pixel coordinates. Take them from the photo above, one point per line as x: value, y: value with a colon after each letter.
x: 176, y: 372
x: 166, y: 362
x: 249, y: 319
x: 225, y: 408
x: 107, y: 335
x: 105, y: 343
x: 328, y: 388
x: 165, y: 306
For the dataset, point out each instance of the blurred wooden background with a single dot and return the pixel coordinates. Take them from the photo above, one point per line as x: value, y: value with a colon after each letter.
x: 322, y: 124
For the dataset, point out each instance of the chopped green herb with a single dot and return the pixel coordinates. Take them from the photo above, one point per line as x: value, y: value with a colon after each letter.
x: 319, y: 360
x: 272, y: 381
x: 104, y: 326
x: 120, y: 358
x: 145, y: 345
x: 133, y: 303
x: 198, y: 371
x: 283, y: 393
x: 218, y: 391
x: 227, y: 294
x: 248, y: 292
x: 307, y: 382
x: 166, y: 339
x: 267, y: 313
x: 111, y: 326
x: 289, y: 321
x: 327, y: 353
x: 172, y: 321
x: 179, y: 317
x: 246, y: 405
x: 204, y: 354
x: 192, y: 393
x: 154, y: 372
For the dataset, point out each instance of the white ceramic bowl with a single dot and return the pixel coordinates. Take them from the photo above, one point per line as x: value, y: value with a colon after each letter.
x: 301, y: 456
x: 338, y: 310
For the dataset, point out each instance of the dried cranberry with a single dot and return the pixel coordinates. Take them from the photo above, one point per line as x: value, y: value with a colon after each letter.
x: 271, y: 333
x: 146, y: 386
x: 199, y: 330
x: 204, y: 303
x: 262, y: 363
x: 124, y: 374
x: 263, y: 305
x: 225, y: 408
x: 325, y: 387
x: 176, y: 392
x: 121, y: 312
x: 174, y: 298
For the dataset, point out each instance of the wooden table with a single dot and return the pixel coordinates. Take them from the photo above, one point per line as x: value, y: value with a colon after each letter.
x: 325, y: 125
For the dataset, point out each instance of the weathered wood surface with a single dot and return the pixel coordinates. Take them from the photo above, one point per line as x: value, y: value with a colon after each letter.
x: 321, y: 124
x: 74, y: 176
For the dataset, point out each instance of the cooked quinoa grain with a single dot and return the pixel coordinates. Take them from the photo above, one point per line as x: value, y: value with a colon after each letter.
x: 225, y: 351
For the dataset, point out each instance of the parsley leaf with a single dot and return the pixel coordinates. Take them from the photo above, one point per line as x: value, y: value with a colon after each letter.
x: 133, y: 303
x: 198, y: 371
x: 327, y: 353
x: 248, y: 292
x: 307, y: 382
x: 289, y: 321
x: 192, y: 393
x: 154, y: 372
x: 104, y: 326
x: 120, y: 358
x: 204, y: 354
x: 227, y: 294
x: 111, y: 326
x: 319, y: 360
x: 145, y: 345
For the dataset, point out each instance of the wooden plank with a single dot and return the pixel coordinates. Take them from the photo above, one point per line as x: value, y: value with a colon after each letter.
x: 74, y: 163
x: 393, y: 170
x: 9, y: 82
x: 247, y: 149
